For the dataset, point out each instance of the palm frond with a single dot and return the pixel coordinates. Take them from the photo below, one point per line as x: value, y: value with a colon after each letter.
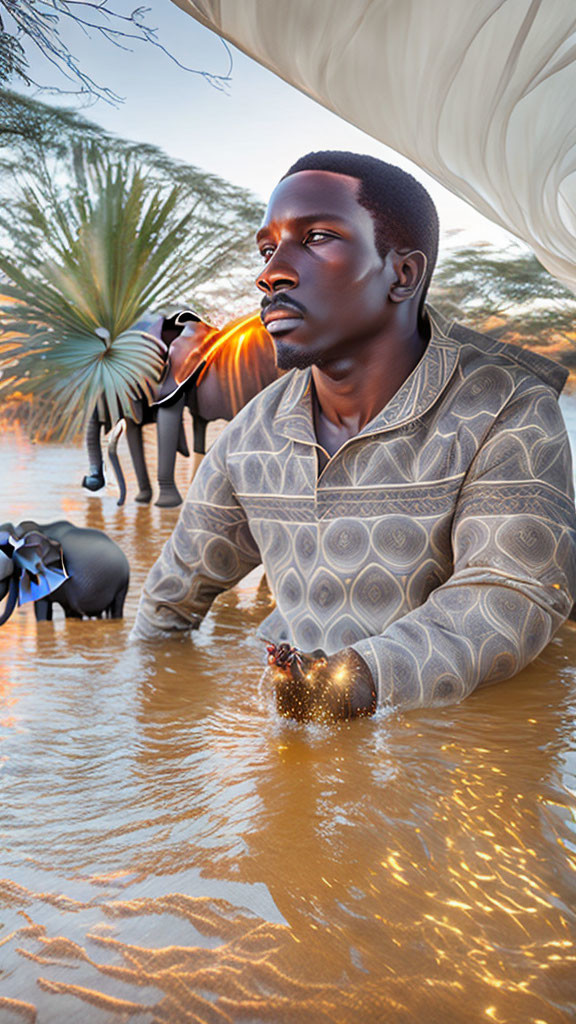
x: 74, y: 372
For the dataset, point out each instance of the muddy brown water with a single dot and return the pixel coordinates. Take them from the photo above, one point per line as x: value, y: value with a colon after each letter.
x: 172, y: 852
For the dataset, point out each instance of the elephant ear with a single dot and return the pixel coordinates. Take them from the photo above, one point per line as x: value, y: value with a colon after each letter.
x: 40, y: 567
x: 186, y: 355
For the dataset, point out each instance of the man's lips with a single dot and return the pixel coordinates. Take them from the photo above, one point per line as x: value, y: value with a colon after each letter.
x: 281, y: 319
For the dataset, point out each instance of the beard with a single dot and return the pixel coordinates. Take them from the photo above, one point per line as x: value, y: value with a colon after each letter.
x: 293, y: 357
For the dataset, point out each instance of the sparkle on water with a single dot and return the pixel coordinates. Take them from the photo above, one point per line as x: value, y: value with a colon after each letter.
x: 173, y: 851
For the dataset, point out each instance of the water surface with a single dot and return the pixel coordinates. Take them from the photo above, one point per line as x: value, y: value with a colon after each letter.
x: 171, y: 851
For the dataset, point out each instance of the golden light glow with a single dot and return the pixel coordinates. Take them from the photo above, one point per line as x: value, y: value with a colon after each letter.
x: 244, y: 352
x: 237, y: 338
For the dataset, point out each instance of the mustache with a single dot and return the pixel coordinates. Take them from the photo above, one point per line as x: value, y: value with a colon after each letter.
x: 282, y: 300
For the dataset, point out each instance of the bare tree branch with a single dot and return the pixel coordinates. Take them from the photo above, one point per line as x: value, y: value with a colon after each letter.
x: 40, y: 22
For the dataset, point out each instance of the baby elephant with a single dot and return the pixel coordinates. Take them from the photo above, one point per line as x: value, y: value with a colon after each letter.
x: 82, y: 570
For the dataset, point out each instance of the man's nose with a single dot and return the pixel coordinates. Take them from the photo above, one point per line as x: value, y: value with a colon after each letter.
x: 278, y: 275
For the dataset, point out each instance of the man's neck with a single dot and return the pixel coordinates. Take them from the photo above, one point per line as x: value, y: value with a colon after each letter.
x: 349, y: 393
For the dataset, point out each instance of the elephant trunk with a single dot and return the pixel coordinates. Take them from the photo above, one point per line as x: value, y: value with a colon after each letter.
x: 6, y: 571
x: 12, y: 598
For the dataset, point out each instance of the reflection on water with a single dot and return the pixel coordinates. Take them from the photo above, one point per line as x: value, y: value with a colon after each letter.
x: 173, y: 852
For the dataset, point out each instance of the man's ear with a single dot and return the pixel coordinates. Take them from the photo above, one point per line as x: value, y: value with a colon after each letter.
x: 410, y: 268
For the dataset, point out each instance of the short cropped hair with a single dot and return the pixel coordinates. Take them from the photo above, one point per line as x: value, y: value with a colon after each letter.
x: 404, y: 214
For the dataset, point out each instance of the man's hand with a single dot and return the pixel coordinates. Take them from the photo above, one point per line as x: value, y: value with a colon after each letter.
x: 314, y: 687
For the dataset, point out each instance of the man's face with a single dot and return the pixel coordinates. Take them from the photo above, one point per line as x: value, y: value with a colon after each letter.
x: 326, y: 287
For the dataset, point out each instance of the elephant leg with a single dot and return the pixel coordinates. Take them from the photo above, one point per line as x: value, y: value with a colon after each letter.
x: 182, y: 441
x: 136, y: 448
x: 199, y: 426
x: 43, y: 610
x: 168, y: 426
x: 94, y: 479
x: 116, y: 609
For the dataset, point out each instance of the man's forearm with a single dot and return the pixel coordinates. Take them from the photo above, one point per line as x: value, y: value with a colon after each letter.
x: 157, y: 622
x: 462, y: 637
x: 184, y: 582
x: 209, y: 551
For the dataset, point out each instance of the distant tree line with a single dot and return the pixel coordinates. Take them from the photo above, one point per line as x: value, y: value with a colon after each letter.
x: 510, y: 295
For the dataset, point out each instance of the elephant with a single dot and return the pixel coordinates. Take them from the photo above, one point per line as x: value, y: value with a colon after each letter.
x: 82, y: 570
x: 213, y: 373
x: 165, y: 329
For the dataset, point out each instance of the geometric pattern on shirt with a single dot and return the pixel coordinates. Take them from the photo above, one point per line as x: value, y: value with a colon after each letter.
x: 440, y: 542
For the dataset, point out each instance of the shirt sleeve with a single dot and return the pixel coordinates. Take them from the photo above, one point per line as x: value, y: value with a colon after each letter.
x: 209, y: 551
x: 514, y: 567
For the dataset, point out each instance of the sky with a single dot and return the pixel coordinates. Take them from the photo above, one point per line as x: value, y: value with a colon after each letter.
x: 248, y: 133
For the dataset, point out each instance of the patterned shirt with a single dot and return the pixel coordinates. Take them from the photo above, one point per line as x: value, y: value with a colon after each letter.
x: 439, y: 542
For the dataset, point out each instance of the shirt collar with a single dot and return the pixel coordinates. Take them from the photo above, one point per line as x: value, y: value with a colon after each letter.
x: 294, y: 417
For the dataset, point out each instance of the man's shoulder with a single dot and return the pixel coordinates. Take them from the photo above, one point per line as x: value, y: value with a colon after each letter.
x: 483, y: 350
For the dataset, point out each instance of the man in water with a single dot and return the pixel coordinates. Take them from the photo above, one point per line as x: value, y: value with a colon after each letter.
x: 407, y: 484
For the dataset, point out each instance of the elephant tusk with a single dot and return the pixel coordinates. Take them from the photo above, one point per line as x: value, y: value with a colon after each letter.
x: 115, y: 461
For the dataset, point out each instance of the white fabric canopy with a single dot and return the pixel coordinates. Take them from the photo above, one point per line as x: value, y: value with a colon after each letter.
x: 479, y: 93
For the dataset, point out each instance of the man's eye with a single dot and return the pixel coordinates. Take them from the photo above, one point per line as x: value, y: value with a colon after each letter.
x: 318, y: 236
x: 266, y: 251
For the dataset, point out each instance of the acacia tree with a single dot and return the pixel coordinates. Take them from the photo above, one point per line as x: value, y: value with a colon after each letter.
x: 31, y: 130
x: 93, y: 240
x: 508, y: 294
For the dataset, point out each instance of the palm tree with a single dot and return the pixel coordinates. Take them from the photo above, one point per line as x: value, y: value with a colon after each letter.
x: 96, y: 242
